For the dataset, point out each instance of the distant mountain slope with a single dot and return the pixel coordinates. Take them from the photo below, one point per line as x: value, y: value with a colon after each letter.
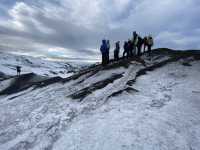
x: 8, y: 63
x: 147, y: 103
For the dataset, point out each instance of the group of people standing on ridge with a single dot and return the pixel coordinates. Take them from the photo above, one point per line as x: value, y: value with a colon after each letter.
x: 132, y: 47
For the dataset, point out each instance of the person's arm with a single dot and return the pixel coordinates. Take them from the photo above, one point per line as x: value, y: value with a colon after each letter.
x: 101, y: 49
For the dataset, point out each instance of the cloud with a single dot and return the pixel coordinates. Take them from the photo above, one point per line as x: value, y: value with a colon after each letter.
x: 72, y: 28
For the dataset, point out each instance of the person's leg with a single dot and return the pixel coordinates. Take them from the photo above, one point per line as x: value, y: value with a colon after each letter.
x: 130, y: 52
x: 149, y: 50
x: 138, y: 47
x: 103, y: 59
x: 108, y: 58
x: 124, y: 54
x: 141, y: 50
x: 144, y: 48
x: 117, y: 55
x: 135, y: 51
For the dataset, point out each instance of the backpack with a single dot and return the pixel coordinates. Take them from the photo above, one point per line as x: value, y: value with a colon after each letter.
x: 150, y: 41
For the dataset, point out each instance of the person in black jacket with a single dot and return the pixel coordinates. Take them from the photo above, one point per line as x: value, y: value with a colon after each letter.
x: 130, y: 48
x: 116, y: 51
x: 18, y: 70
x: 139, y: 46
x: 145, y: 40
x: 134, y: 43
x: 126, y: 50
x: 108, y: 52
x: 104, y: 52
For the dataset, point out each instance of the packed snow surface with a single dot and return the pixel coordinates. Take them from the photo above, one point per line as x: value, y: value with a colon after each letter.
x: 158, y: 111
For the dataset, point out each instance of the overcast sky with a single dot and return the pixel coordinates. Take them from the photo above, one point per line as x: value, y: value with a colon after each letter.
x: 75, y: 28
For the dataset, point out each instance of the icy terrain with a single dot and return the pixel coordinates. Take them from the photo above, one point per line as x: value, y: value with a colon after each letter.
x: 138, y: 105
x: 8, y: 63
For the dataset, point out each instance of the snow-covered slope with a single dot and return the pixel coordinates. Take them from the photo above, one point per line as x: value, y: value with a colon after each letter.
x: 8, y: 63
x: 132, y: 104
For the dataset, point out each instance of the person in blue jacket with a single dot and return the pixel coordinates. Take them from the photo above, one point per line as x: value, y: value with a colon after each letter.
x: 108, y: 52
x: 104, y: 51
